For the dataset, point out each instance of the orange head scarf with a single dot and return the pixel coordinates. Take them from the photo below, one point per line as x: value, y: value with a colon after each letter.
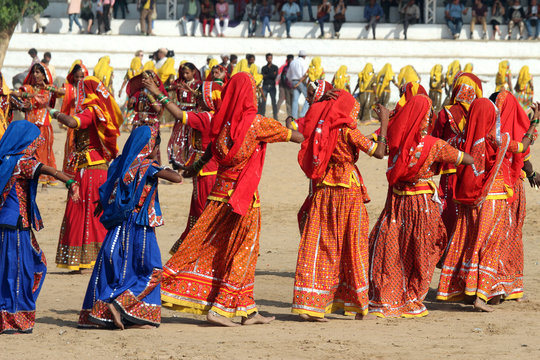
x: 68, y: 104
x: 487, y: 145
x: 515, y: 122
x: 409, y: 128
x: 321, y: 129
x: 91, y: 93
x: 29, y: 80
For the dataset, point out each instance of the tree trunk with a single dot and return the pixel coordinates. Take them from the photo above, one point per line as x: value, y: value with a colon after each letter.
x: 5, y: 37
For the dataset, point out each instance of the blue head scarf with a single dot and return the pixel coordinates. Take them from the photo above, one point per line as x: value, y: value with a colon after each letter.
x: 19, y: 135
x: 121, y: 192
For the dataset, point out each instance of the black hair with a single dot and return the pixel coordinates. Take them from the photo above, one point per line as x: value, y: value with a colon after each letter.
x: 190, y: 66
x: 269, y: 54
x: 32, y: 52
x: 250, y: 56
x: 40, y: 68
x: 47, y: 54
x: 290, y: 57
x: 233, y: 57
x: 493, y: 97
x: 158, y: 140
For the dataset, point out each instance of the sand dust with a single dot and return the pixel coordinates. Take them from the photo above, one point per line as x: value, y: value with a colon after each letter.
x: 449, y: 331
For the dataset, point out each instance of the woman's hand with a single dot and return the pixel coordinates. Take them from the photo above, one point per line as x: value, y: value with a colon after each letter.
x: 536, y: 111
x: 383, y: 114
x: 150, y: 85
x: 534, y: 180
x: 332, y: 94
x: 189, y: 172
x: 74, y: 192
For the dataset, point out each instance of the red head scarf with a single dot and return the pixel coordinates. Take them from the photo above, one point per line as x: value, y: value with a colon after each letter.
x: 210, y: 96
x: 76, y: 66
x: 321, y: 129
x: 68, y: 104
x: 467, y: 88
x: 409, y: 128
x: 29, y: 80
x: 515, y: 122
x: 407, y: 91
x: 210, y: 76
x: 487, y: 145
x: 91, y: 93
x: 238, y: 111
x: 321, y: 87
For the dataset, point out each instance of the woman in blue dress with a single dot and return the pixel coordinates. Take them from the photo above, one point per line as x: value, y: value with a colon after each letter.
x: 22, y: 263
x: 124, y: 288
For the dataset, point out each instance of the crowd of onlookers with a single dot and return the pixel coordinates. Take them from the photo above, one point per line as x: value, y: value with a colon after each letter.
x: 218, y: 15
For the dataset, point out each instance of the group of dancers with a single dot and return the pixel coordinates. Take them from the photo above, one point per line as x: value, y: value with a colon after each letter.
x: 470, y: 224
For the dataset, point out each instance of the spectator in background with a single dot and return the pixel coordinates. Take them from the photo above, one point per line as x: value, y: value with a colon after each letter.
x: 207, y: 16
x: 265, y: 13
x: 250, y: 59
x: 107, y: 12
x: 285, y: 86
x: 222, y: 17
x: 479, y: 12
x: 146, y: 8
x: 34, y: 55
x: 373, y: 13
x: 47, y: 61
x: 224, y: 60
x: 497, y: 13
x: 410, y: 14
x: 122, y: 5
x: 339, y: 16
x: 516, y: 14
x: 206, y: 67
x: 39, y: 25
x: 252, y: 13
x: 190, y: 13
x: 297, y: 69
x: 232, y: 64
x: 454, y: 17
x: 323, y: 15
x: 269, y: 73
x: 532, y: 21
x: 385, y: 5
x: 160, y: 57
x: 290, y: 13
x: 239, y: 10
x: 310, y: 10
x: 74, y: 10
x: 99, y: 15
x: 87, y: 14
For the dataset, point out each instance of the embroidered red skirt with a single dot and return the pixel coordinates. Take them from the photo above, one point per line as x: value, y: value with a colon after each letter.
x: 214, y: 268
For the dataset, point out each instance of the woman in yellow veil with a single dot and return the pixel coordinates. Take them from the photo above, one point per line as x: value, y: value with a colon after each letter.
x: 315, y: 70
x: 468, y: 68
x: 524, y: 88
x: 104, y: 72
x: 436, y: 84
x: 503, y: 80
x: 453, y: 69
x: 406, y: 75
x: 211, y: 64
x: 5, y: 98
x: 341, y: 80
x: 366, y: 86
x: 384, y: 78
x: 135, y: 68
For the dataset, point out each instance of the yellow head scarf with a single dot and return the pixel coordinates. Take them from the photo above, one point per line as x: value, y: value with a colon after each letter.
x: 386, y: 75
x: 241, y: 66
x: 149, y: 65
x: 341, y: 79
x: 255, y: 72
x: 166, y: 70
x: 211, y: 64
x: 4, y: 110
x: 135, y: 68
x: 315, y: 70
x: 364, y: 77
x: 500, y: 79
x: 452, y: 71
x: 407, y: 74
x: 103, y: 70
x: 468, y: 68
x: 435, y: 75
x: 524, y: 77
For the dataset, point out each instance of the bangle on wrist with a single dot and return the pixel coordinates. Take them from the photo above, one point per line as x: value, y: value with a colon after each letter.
x: 69, y: 183
x: 532, y: 176
x: 54, y: 113
x: 382, y: 139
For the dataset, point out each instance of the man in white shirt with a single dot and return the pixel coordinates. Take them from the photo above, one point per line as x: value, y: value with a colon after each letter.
x: 297, y: 69
x: 161, y: 57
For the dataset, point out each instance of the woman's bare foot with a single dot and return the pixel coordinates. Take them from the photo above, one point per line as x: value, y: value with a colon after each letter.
x: 307, y: 317
x: 117, y: 319
x: 216, y: 319
x: 496, y: 300
x: 522, y: 299
x: 257, y: 319
x: 480, y: 305
x: 368, y: 316
x: 146, y: 326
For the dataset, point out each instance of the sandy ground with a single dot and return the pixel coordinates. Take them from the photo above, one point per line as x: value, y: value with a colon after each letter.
x: 449, y: 331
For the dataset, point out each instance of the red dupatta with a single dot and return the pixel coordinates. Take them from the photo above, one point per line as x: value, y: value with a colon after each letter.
x: 467, y: 88
x: 487, y: 145
x: 238, y: 110
x: 515, y: 122
x: 408, y: 140
x: 321, y: 129
x: 407, y: 91
x: 68, y: 104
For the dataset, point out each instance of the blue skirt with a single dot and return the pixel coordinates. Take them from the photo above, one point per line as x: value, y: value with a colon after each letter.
x: 22, y: 270
x: 127, y: 274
